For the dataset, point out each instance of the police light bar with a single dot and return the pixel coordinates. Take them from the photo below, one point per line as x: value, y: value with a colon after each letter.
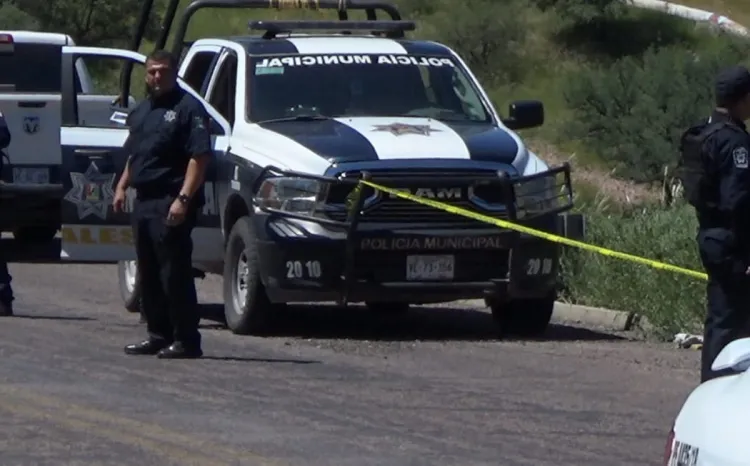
x: 390, y: 28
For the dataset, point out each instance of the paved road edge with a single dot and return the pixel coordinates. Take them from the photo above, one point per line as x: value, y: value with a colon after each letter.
x: 596, y: 316
x: 587, y: 315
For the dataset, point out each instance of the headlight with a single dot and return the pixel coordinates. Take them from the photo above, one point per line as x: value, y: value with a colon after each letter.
x: 535, y: 196
x: 295, y: 195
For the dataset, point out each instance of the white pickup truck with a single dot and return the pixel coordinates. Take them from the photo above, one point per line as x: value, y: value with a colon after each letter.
x: 30, y: 95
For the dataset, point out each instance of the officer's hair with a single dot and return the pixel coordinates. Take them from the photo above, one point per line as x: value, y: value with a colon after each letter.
x: 164, y: 56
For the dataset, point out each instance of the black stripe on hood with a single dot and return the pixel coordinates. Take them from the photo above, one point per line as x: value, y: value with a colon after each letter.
x: 328, y: 138
x: 486, y: 142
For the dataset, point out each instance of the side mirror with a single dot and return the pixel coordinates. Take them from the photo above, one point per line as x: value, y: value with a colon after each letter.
x: 524, y: 114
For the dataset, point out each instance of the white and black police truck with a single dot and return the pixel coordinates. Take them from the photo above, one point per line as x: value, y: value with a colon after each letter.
x: 300, y: 111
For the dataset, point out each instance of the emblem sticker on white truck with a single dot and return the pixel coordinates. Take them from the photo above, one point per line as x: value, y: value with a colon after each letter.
x: 92, y: 192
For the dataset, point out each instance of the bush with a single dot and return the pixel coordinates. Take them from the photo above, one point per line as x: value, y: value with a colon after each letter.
x: 633, y: 113
x: 489, y: 35
x: 671, y: 302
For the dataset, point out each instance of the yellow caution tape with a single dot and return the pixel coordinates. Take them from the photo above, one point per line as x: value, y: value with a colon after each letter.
x: 533, y: 232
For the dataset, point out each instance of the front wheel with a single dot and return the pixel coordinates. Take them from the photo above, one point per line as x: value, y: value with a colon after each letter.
x: 524, y: 317
x: 130, y: 291
x: 247, y: 308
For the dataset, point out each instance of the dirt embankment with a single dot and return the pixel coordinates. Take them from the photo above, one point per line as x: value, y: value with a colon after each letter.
x: 616, y: 190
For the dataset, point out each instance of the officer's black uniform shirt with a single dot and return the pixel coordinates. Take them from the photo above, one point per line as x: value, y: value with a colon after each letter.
x: 730, y: 150
x: 165, y: 133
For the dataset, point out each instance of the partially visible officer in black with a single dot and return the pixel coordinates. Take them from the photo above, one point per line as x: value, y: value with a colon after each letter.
x: 716, y: 179
x: 6, y: 292
x: 169, y: 149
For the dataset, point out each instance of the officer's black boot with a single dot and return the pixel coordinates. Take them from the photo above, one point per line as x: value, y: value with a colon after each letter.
x: 180, y: 351
x: 147, y: 347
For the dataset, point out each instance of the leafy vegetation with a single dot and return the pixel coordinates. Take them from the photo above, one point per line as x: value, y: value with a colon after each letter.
x: 619, y: 85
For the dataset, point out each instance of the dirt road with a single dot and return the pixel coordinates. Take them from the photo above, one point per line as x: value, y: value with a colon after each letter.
x: 340, y: 388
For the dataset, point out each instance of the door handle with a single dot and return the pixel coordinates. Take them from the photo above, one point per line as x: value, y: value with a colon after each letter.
x: 28, y: 104
x: 99, y: 152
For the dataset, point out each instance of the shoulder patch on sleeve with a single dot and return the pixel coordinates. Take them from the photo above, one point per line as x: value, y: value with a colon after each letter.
x: 740, y: 157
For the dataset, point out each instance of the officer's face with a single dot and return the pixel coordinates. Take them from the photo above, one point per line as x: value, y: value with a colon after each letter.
x: 160, y: 77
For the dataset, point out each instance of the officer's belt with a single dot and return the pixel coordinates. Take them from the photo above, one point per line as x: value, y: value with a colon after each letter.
x: 147, y: 193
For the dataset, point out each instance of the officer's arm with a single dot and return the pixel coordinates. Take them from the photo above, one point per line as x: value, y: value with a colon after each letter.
x: 124, y: 182
x: 4, y: 133
x: 198, y: 148
x: 734, y: 166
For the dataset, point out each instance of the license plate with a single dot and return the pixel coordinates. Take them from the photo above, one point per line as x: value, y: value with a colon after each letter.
x: 429, y: 267
x: 28, y: 175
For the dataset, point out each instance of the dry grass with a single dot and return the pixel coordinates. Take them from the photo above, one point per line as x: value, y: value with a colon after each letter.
x: 616, y: 190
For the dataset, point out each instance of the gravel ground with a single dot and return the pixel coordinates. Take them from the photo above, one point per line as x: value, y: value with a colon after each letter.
x: 336, y: 387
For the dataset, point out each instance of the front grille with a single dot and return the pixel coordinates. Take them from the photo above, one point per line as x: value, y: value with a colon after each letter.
x: 387, y: 209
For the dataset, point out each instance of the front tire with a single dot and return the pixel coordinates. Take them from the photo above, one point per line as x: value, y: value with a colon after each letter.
x: 130, y: 290
x: 247, y: 309
x: 523, y: 317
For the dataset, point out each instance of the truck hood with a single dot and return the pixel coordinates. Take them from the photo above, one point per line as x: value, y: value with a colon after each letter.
x: 358, y: 139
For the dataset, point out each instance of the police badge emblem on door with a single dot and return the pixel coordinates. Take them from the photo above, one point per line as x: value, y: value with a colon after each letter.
x: 31, y: 124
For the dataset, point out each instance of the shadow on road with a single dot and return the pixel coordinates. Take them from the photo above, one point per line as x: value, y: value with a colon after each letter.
x: 38, y: 317
x: 420, y: 323
x: 264, y: 360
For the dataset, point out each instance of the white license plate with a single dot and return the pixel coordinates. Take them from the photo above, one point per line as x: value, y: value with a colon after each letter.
x: 429, y: 267
x: 28, y: 175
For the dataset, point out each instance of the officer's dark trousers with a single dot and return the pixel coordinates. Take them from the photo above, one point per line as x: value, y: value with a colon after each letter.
x: 728, y: 296
x: 164, y: 253
x: 6, y: 292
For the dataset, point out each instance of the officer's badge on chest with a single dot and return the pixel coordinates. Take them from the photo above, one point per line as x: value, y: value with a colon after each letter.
x: 170, y: 116
x: 740, y: 157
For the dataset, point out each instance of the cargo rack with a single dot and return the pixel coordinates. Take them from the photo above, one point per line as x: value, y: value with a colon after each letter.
x: 370, y: 7
x: 390, y: 29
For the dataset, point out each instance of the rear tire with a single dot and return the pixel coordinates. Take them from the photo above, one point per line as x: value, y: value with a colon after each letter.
x: 523, y: 317
x: 247, y: 309
x: 130, y: 290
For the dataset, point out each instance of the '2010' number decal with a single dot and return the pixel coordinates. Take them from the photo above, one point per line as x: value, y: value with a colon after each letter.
x: 536, y: 266
x: 299, y: 269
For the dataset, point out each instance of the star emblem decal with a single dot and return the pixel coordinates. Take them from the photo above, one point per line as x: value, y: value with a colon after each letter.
x: 398, y: 129
x: 92, y: 192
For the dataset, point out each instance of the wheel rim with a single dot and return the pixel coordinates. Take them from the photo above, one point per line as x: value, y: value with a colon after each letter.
x: 131, y: 270
x: 241, y: 283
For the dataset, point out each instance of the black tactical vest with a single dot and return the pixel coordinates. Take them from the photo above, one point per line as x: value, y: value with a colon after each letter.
x: 696, y: 169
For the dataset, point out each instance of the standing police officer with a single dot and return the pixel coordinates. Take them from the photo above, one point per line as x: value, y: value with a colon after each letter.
x: 716, y: 178
x: 169, y: 149
x: 6, y: 292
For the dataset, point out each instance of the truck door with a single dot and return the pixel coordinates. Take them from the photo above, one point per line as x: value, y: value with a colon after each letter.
x: 93, y: 159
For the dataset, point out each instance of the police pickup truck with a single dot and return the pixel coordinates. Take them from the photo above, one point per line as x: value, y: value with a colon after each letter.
x: 30, y: 94
x: 302, y: 110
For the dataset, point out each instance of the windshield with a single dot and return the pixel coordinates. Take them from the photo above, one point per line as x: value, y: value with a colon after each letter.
x: 21, y: 68
x: 362, y: 85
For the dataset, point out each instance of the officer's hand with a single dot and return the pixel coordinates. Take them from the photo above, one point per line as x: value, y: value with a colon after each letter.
x: 176, y: 213
x: 747, y: 272
x: 118, y: 203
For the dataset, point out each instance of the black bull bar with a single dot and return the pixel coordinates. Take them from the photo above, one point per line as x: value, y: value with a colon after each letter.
x: 556, y: 197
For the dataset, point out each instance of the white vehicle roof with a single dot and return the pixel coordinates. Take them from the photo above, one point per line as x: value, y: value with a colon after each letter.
x: 34, y: 37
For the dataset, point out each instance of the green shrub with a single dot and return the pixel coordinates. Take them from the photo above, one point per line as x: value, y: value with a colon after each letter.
x: 633, y: 113
x: 489, y: 35
x: 671, y: 302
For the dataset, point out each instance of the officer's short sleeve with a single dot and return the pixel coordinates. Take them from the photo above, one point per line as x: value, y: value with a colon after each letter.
x: 734, y: 166
x: 198, y: 137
